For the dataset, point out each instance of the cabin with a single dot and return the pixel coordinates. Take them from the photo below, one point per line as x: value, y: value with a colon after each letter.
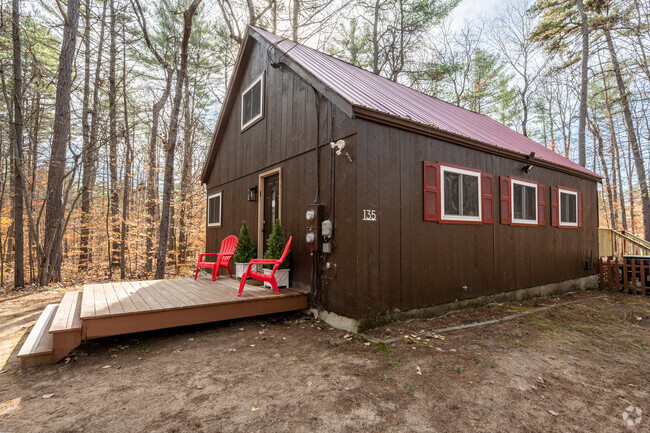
x: 400, y: 205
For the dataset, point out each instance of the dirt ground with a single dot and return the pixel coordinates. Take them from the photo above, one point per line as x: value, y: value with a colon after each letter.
x: 572, y: 368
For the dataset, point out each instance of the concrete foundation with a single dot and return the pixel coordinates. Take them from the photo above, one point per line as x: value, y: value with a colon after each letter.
x: 361, y: 325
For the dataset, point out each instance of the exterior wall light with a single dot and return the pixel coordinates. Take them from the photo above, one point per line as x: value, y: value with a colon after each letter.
x: 252, y: 194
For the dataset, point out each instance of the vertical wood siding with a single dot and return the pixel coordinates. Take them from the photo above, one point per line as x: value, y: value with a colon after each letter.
x: 433, y: 261
x: 399, y: 261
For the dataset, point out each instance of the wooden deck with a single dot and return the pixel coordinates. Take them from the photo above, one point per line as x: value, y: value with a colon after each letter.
x: 135, y: 306
x: 103, y: 310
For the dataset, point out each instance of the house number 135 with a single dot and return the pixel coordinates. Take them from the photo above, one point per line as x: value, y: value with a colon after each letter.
x: 369, y: 215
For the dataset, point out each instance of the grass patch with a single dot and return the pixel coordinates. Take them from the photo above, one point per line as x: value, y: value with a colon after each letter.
x: 483, y: 363
x: 459, y: 368
x: 395, y: 363
x: 381, y: 348
x: 387, y: 377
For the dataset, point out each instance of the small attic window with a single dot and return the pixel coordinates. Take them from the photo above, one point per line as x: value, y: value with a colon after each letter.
x: 252, y: 103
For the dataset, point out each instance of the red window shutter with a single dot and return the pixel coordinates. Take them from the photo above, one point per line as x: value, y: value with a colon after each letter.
x: 541, y: 204
x: 579, y: 205
x: 506, y: 203
x: 487, y: 195
x: 555, y: 210
x: 431, y: 191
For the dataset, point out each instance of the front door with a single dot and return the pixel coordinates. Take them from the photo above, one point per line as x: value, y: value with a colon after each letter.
x: 271, y: 205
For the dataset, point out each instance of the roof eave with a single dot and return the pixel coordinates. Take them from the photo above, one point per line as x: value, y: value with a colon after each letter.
x: 432, y: 131
x: 227, y: 102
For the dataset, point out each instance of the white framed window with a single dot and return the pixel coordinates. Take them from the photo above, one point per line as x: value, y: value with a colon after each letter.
x: 524, y: 202
x: 460, y: 194
x: 214, y: 210
x: 252, y: 103
x: 568, y: 207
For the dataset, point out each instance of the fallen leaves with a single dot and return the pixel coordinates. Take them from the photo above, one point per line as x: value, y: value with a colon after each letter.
x: 418, y: 371
x: 47, y: 396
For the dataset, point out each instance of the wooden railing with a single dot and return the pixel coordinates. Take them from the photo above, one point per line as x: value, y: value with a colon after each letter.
x: 620, y: 276
x: 613, y: 243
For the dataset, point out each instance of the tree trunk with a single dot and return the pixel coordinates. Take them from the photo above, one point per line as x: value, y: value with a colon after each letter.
x: 114, y: 254
x: 89, y: 159
x: 17, y: 181
x: 595, y: 131
x: 127, y: 168
x: 49, y: 269
x: 295, y: 20
x: 584, y: 75
x: 185, y: 178
x: 375, y: 38
x: 86, y: 158
x: 152, y: 185
x: 171, y: 145
x: 631, y: 136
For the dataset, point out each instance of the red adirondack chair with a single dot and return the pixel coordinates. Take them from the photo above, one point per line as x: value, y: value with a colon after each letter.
x: 250, y: 273
x: 224, y: 255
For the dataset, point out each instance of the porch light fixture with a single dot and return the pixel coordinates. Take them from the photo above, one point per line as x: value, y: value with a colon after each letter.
x: 252, y: 194
x: 527, y: 168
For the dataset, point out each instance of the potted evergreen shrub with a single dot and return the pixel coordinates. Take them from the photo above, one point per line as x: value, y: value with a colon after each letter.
x: 274, y: 249
x: 245, y: 252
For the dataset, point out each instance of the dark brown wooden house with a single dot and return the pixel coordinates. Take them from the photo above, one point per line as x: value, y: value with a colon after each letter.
x: 431, y: 205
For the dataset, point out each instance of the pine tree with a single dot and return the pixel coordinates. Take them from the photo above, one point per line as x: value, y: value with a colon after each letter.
x: 246, y: 249
x: 275, y: 245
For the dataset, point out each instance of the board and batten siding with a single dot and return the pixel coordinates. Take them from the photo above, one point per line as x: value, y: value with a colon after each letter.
x: 400, y: 261
x: 404, y: 262
x: 286, y: 138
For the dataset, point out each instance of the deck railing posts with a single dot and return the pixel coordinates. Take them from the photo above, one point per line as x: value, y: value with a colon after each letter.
x: 624, y: 277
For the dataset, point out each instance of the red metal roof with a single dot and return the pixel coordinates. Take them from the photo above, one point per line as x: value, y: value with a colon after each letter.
x: 364, y: 89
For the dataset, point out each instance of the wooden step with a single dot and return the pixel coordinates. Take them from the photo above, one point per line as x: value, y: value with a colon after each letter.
x: 66, y: 326
x: 39, y: 342
x: 68, y: 315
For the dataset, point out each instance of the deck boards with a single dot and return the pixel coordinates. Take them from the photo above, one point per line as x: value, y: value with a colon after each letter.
x: 134, y: 306
x: 66, y: 317
x: 111, y: 299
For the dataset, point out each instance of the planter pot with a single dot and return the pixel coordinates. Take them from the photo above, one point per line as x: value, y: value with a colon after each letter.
x: 281, y: 276
x: 240, y: 268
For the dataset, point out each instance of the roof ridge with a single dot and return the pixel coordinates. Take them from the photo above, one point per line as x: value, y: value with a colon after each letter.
x: 283, y: 39
x: 364, y: 89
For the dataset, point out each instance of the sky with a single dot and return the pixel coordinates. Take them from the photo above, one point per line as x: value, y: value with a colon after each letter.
x: 470, y: 9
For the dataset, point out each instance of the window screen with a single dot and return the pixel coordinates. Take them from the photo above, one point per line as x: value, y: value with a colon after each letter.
x: 461, y: 193
x: 524, y: 202
x: 568, y: 208
x: 214, y: 210
x: 252, y: 103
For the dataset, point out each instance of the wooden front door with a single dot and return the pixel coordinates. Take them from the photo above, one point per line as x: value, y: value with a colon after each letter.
x: 271, y: 205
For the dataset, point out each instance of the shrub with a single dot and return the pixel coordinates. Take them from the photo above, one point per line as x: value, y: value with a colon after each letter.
x: 246, y: 249
x: 275, y: 246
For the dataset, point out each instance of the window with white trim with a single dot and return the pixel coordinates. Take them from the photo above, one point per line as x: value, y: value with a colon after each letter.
x: 252, y: 103
x: 524, y: 202
x: 568, y: 207
x: 214, y: 210
x: 461, y: 194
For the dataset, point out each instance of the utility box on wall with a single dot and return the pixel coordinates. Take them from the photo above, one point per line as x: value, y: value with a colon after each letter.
x: 313, y: 218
